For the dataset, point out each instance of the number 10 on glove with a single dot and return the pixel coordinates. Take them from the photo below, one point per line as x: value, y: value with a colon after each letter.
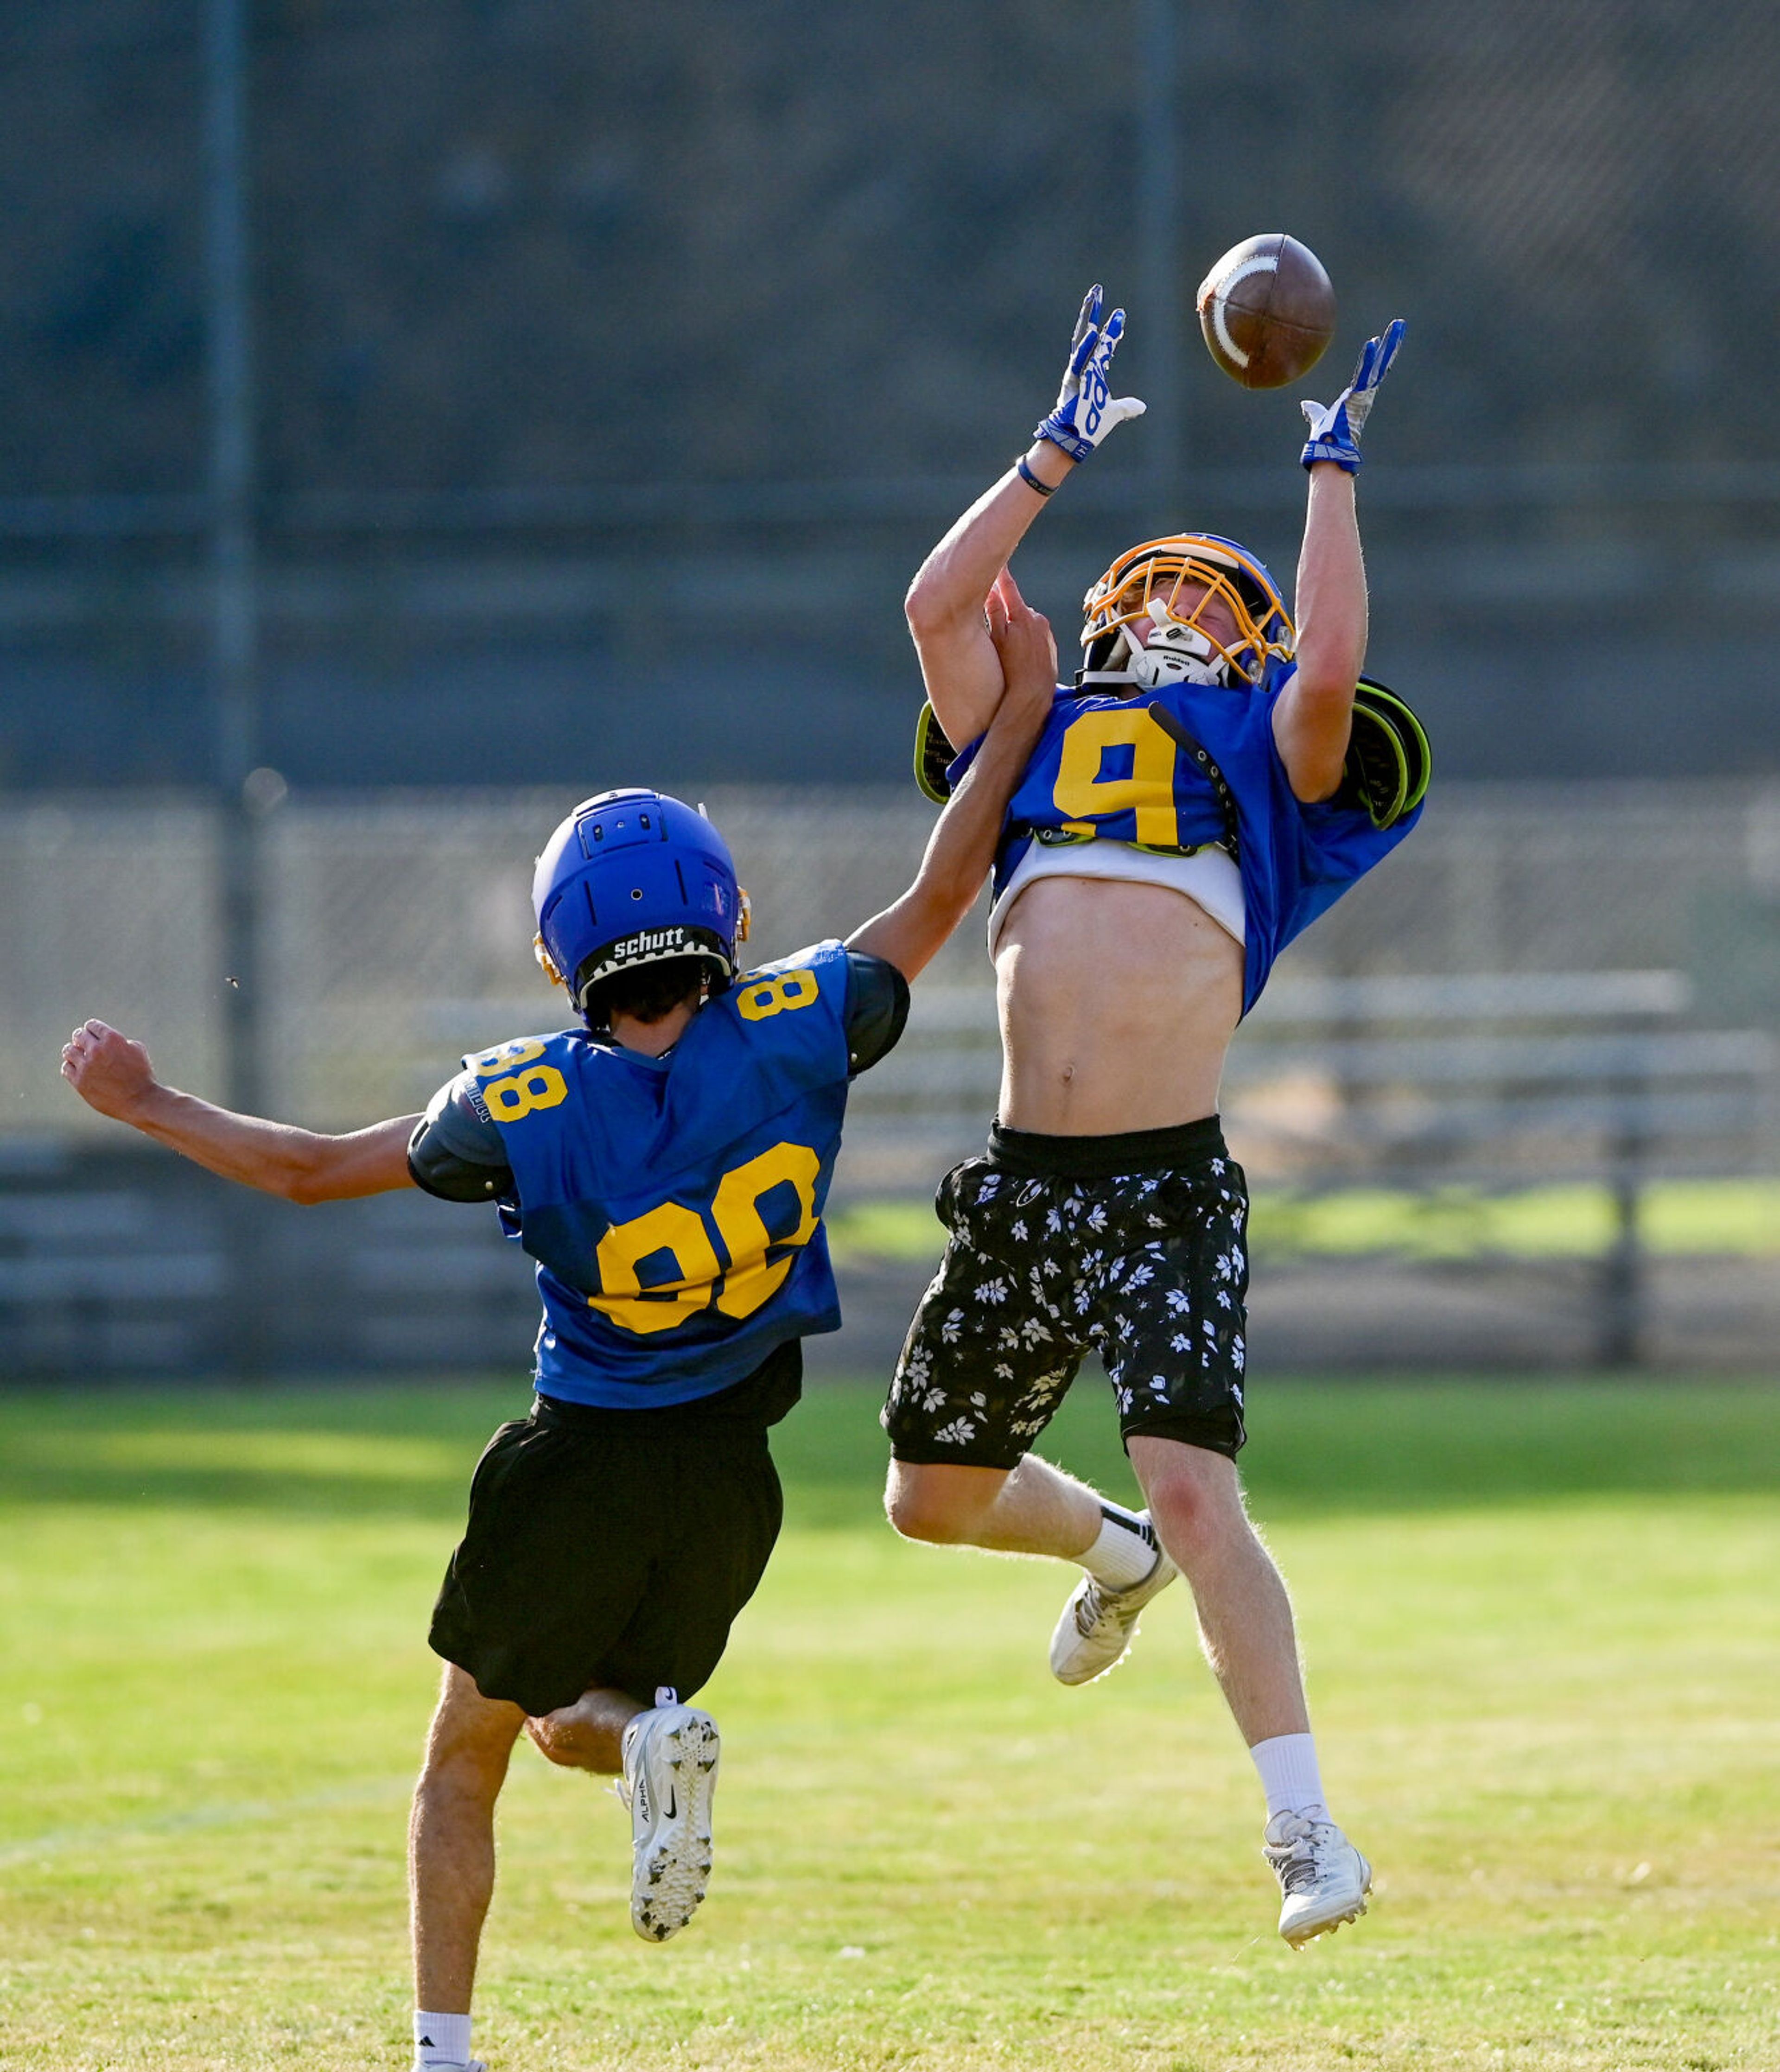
x: 1086, y: 409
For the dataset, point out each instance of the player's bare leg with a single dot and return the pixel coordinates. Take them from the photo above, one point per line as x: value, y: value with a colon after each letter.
x: 1247, y: 1630
x: 1036, y: 1509
x: 451, y: 1838
x: 667, y: 1756
x: 1245, y: 1615
x: 589, y: 1734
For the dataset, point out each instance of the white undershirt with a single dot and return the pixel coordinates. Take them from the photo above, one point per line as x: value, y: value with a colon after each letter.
x: 1209, y: 878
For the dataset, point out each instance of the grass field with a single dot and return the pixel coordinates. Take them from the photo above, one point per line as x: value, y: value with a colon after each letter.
x: 1541, y: 1623
x: 1685, y: 1218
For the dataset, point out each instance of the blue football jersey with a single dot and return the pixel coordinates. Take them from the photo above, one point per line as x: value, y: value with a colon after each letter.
x: 674, y: 1204
x: 1105, y: 770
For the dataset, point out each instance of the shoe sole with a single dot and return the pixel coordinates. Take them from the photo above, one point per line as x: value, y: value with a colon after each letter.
x: 672, y: 1865
x: 1082, y: 1683
x: 1301, y: 1936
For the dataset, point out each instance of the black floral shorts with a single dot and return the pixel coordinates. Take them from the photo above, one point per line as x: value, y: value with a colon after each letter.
x: 1131, y: 1247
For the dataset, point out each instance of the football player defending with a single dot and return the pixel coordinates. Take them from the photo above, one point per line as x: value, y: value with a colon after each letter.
x: 1205, y: 791
x: 666, y: 1164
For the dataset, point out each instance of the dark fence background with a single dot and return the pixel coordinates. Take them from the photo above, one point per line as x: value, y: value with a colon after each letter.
x: 611, y: 367
x: 1515, y: 1101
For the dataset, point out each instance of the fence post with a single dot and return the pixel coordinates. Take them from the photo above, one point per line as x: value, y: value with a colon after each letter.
x: 1161, y: 320
x: 1623, y: 1268
x: 235, y: 634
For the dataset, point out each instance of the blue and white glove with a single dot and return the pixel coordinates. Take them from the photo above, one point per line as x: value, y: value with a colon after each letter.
x: 1086, y: 408
x: 1335, y: 427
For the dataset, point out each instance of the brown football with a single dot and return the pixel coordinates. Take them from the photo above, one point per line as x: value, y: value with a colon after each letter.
x: 1268, y: 310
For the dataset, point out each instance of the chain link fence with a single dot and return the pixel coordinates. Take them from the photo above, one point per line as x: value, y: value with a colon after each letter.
x: 396, y: 931
x: 1545, y: 988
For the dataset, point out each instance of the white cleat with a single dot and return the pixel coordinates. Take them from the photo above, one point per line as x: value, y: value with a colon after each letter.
x: 1099, y: 1624
x: 1323, y: 1877
x: 670, y: 1776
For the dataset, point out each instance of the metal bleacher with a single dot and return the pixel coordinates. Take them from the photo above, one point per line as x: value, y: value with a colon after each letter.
x: 1489, y: 1081
x: 1518, y: 1001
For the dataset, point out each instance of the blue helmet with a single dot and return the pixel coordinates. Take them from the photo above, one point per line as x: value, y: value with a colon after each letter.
x: 1145, y: 582
x: 633, y: 878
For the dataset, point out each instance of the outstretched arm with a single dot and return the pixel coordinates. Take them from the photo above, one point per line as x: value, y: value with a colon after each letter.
x: 115, y: 1075
x: 945, y: 603
x: 1312, y: 719
x: 1314, y: 715
x: 961, y: 849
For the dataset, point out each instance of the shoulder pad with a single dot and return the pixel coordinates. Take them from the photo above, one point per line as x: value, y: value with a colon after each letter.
x: 457, y: 1151
x: 933, y: 754
x: 1388, y: 760
x: 877, y: 1009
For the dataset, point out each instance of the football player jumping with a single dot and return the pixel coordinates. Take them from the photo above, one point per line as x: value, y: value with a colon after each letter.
x: 1209, y: 786
x: 666, y: 1164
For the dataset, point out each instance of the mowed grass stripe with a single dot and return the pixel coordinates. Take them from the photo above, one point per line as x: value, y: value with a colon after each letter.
x: 1544, y: 1696
x: 1343, y: 1444
x: 1727, y: 1218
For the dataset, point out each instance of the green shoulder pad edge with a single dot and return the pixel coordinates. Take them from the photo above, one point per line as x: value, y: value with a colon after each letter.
x: 1388, y: 760
x: 1414, y: 737
x: 933, y: 756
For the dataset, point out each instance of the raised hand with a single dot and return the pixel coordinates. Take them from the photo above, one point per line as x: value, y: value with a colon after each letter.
x: 1086, y: 409
x: 1024, y: 642
x: 107, y: 1070
x: 1335, y: 427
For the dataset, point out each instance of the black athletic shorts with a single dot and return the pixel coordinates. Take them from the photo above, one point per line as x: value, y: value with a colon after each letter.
x: 1133, y: 1247
x: 612, y: 1549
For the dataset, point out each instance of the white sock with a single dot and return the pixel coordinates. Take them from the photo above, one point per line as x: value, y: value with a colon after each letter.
x: 440, y: 2039
x: 1125, y: 1551
x: 1289, y: 1775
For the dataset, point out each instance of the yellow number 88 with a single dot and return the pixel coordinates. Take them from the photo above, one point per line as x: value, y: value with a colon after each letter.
x: 753, y: 1275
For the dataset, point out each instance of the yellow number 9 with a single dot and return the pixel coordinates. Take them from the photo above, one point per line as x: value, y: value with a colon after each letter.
x: 1081, y: 793
x: 541, y: 1086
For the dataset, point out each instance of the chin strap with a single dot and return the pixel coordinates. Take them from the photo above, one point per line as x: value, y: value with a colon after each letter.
x: 1156, y: 668
x: 1177, y: 732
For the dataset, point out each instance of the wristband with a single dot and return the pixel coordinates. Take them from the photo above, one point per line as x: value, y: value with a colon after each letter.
x: 1031, y: 480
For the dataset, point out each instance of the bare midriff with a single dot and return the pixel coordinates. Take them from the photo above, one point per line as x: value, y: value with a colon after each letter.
x: 1118, y: 1002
